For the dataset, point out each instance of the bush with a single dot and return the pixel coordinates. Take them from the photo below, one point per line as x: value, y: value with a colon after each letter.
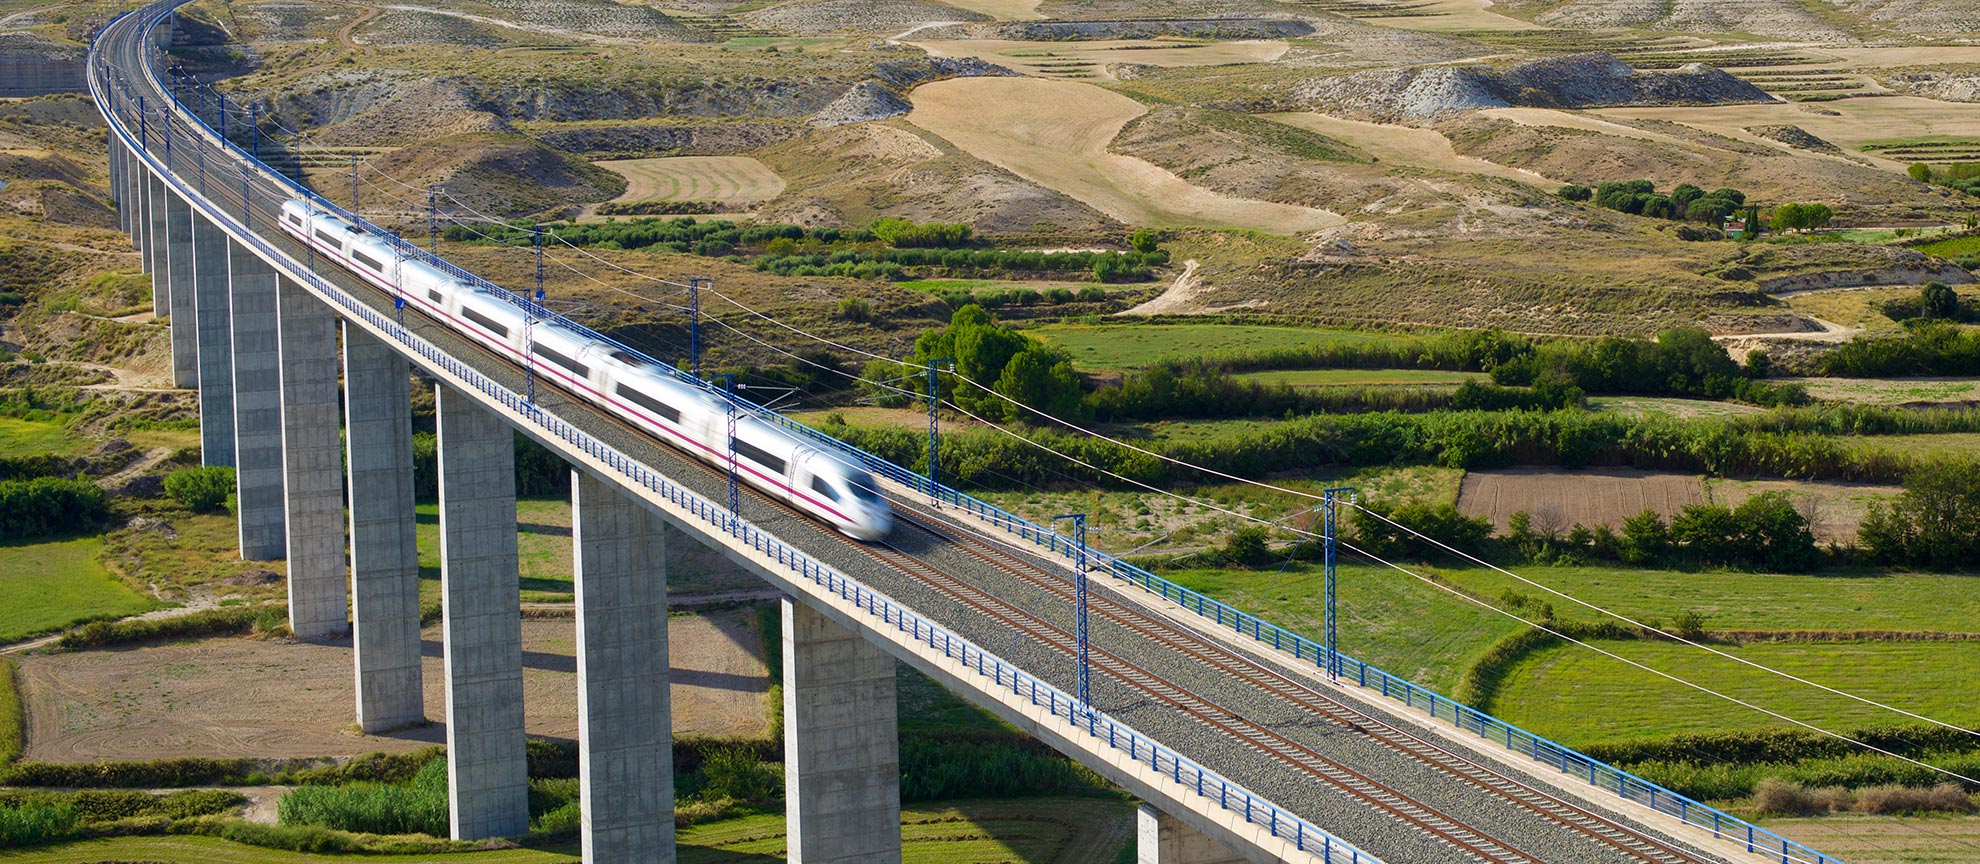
x: 35, y: 823
x: 1774, y: 797
x: 1894, y: 800
x: 158, y: 773
x: 95, y: 806
x: 1379, y: 530
x: 50, y: 505
x: 934, y: 769
x: 201, y: 489
x: 1246, y: 547
x: 1934, y: 522
x: 739, y: 774
x: 855, y: 309
x: 1572, y: 192
x: 269, y: 620
x: 418, y: 807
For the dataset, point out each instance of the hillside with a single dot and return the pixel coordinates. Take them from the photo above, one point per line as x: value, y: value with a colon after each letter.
x: 503, y: 175
x: 1419, y: 94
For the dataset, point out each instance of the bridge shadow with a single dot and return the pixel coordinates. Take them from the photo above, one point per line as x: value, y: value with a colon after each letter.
x: 540, y: 660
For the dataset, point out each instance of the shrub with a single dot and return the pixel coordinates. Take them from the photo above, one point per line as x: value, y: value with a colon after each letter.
x: 1934, y: 522
x: 265, y: 619
x: 419, y: 807
x: 201, y: 489
x: 50, y: 505
x: 1773, y: 797
x: 1572, y: 192
x: 1246, y: 547
x: 34, y: 823
x: 855, y: 309
x: 1142, y: 241
x: 935, y: 769
x: 740, y: 774
x: 1892, y: 800
x: 1385, y: 532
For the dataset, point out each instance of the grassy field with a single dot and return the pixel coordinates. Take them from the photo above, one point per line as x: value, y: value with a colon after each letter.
x: 1021, y: 831
x: 543, y: 549
x: 1953, y: 246
x: 1055, y: 134
x: 1577, y: 697
x: 1396, y: 622
x: 20, y: 437
x: 1750, y: 601
x: 1863, y: 839
x: 1643, y: 406
x: 1361, y: 377
x: 723, y: 179
x: 213, y: 850
x: 52, y: 584
x: 1890, y: 391
x: 1961, y: 444
x: 1133, y: 346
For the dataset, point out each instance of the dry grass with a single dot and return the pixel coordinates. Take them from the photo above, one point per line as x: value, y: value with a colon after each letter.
x: 1051, y: 59
x: 1055, y: 134
x: 723, y: 179
x: 1846, y: 123
x: 1404, y: 145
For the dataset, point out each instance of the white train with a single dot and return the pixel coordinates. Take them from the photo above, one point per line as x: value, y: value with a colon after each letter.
x: 812, y: 480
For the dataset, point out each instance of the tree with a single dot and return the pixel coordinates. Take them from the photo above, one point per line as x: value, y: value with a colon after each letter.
x: 1142, y: 241
x: 1774, y: 535
x: 1937, y: 300
x: 1934, y: 522
x: 200, y: 489
x: 1043, y: 379
x: 1791, y: 217
x: 1246, y: 547
x: 1572, y: 192
x: 1920, y: 172
x: 1645, y: 539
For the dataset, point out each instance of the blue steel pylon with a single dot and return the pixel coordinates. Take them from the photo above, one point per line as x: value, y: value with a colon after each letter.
x: 1330, y: 501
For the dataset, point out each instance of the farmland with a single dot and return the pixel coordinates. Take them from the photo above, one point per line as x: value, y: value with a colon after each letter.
x: 1055, y: 133
x: 736, y: 181
x: 51, y: 585
x: 1127, y: 346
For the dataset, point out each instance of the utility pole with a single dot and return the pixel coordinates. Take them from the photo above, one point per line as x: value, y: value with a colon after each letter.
x: 222, y: 114
x: 536, y: 240
x: 254, y: 122
x: 694, y: 327
x: 934, y: 436
x: 735, y: 492
x: 432, y: 218
x: 1084, y: 671
x: 354, y: 189
x: 1330, y: 502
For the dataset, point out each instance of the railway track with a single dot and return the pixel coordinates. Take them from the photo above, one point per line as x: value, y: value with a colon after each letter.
x: 1246, y: 732
x: 1583, y: 821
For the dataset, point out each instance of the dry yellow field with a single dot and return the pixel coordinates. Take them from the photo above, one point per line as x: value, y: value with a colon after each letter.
x: 1843, y: 122
x: 1002, y: 10
x: 1404, y: 145
x: 1453, y: 15
x: 1058, y: 58
x: 1589, y: 122
x: 1055, y: 134
x: 727, y: 179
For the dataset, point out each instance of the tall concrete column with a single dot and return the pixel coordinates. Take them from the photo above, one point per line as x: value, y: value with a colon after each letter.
x: 151, y: 238
x: 1163, y: 839
x: 384, y: 555
x: 625, y: 727
x: 481, y: 602
x: 842, y: 765
x: 178, y: 269
x: 257, y: 406
x: 117, y: 185
x: 216, y: 350
x: 312, y: 486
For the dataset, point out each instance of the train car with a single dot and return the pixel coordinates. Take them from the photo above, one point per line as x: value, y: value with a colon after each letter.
x: 814, y: 481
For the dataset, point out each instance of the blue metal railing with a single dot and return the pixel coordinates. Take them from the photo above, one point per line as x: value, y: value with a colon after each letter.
x: 1563, y: 759
x: 1118, y: 737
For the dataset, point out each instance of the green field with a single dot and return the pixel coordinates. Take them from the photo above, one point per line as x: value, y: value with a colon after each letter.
x: 1946, y: 444
x: 49, y: 585
x: 1403, y: 625
x: 19, y: 437
x: 543, y: 549
x: 1949, y: 247
x: 213, y: 850
x: 1020, y: 831
x: 1579, y: 697
x: 1361, y: 377
x: 1750, y: 601
x: 947, y: 285
x: 1132, y: 346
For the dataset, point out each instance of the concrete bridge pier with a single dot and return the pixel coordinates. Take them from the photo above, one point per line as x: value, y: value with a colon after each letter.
x: 487, y: 780
x: 625, y: 728
x: 257, y: 386
x: 151, y: 239
x: 312, y: 480
x: 1163, y: 839
x: 178, y: 271
x: 212, y: 307
x: 384, y: 557
x: 842, y: 765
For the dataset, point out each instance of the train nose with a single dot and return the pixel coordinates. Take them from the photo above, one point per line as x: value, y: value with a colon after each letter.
x: 873, y: 524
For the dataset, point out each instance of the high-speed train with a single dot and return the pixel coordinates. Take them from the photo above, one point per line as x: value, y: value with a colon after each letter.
x: 814, y: 481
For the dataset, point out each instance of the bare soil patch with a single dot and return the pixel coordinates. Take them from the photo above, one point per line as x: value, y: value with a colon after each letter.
x: 1558, y: 498
x: 1055, y: 134
x: 280, y: 699
x: 1090, y: 59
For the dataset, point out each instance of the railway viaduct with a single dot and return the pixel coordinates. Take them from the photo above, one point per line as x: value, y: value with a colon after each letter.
x: 304, y: 375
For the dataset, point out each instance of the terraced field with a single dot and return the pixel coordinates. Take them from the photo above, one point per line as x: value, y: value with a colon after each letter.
x: 719, y: 179
x: 1854, y: 123
x: 1404, y: 145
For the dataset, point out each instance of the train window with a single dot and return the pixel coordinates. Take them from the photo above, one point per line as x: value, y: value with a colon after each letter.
x: 758, y: 455
x: 329, y: 238
x: 821, y: 487
x: 494, y: 326
x: 294, y: 219
x: 863, y: 487
x: 558, y: 358
x: 434, y: 295
x: 628, y: 358
x: 656, y: 406
x: 367, y: 260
